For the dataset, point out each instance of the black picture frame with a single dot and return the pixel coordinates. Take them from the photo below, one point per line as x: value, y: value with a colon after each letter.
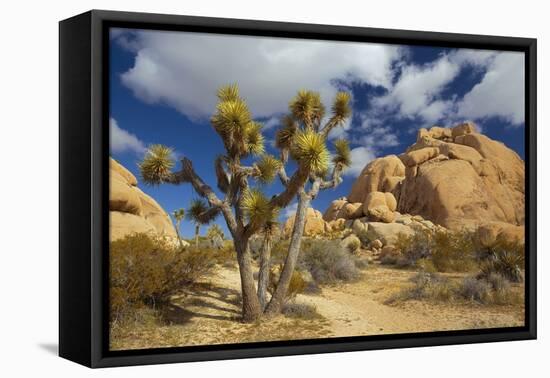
x: 83, y: 181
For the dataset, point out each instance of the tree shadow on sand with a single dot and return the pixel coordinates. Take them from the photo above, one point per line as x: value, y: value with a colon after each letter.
x: 203, y: 300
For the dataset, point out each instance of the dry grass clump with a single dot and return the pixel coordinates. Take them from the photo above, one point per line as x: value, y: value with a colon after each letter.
x: 304, y: 311
x: 492, y: 290
x: 328, y: 262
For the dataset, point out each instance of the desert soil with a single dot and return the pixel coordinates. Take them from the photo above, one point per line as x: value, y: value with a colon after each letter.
x: 209, y: 314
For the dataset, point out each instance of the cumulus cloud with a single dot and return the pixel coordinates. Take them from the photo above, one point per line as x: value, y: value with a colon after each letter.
x: 184, y: 70
x: 122, y: 140
x: 501, y: 92
x: 418, y: 91
x: 360, y: 156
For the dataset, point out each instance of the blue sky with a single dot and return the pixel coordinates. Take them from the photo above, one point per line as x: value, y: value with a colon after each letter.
x: 163, y: 86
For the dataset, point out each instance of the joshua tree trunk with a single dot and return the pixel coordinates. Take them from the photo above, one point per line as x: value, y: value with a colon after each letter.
x: 263, y: 278
x: 251, y: 305
x: 178, y: 235
x: 197, y: 231
x: 277, y: 300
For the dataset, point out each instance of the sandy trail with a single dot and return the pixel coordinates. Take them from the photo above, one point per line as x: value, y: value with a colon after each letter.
x: 209, y: 313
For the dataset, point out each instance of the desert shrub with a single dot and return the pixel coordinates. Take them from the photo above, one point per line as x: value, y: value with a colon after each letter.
x: 435, y: 251
x: 412, y: 248
x: 506, y: 259
x: 453, y: 251
x: 305, y: 311
x: 475, y: 289
x: 328, y: 261
x: 145, y: 270
x: 352, y: 243
x: 493, y: 289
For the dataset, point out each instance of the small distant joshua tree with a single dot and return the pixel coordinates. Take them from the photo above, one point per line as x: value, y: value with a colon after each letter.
x: 199, y: 215
x: 178, y: 215
x: 247, y: 211
x: 215, y: 230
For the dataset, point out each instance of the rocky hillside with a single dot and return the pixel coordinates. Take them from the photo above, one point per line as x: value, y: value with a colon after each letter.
x: 131, y: 210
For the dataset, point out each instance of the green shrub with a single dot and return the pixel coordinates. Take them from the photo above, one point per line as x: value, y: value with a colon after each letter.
x: 145, y: 270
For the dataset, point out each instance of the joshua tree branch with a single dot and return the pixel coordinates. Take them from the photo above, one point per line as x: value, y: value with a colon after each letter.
x: 330, y: 125
x: 188, y: 175
x: 295, y: 183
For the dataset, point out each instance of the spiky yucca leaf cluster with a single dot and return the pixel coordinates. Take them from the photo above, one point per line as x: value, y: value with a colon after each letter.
x: 343, y: 153
x: 285, y: 135
x: 268, y: 166
x: 254, y: 139
x: 157, y: 164
x: 341, y: 109
x: 233, y: 122
x: 309, y: 150
x: 256, y: 206
x: 307, y: 107
x: 198, y: 212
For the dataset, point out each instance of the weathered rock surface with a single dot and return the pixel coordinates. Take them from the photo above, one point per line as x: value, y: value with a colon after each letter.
x: 387, y: 233
x: 133, y: 211
x: 491, y: 233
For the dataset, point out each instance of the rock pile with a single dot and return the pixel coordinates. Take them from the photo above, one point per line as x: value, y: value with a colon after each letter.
x: 450, y: 178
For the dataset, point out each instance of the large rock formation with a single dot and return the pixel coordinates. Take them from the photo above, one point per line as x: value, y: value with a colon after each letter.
x: 131, y: 210
x: 453, y: 177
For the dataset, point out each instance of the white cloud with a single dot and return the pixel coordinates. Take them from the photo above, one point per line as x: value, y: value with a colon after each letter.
x: 271, y: 122
x: 417, y: 93
x: 290, y: 210
x: 184, y: 70
x: 418, y: 87
x: 360, y: 156
x: 501, y: 92
x: 122, y: 140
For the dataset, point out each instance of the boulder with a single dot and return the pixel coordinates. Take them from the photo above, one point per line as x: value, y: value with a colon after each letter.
x: 131, y: 210
x: 333, y: 211
x: 463, y: 129
x: 380, y: 175
x: 387, y: 233
x: 379, y: 206
x: 419, y: 156
x: 315, y: 224
x: 491, y: 233
x: 338, y: 224
x: 359, y: 227
x: 352, y: 211
x: 381, y: 213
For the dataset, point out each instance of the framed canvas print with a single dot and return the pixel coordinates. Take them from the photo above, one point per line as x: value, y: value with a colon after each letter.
x: 233, y: 188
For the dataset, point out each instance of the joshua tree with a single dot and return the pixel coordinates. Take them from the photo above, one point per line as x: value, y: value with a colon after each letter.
x: 197, y: 213
x: 178, y: 215
x: 215, y: 230
x: 246, y: 209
